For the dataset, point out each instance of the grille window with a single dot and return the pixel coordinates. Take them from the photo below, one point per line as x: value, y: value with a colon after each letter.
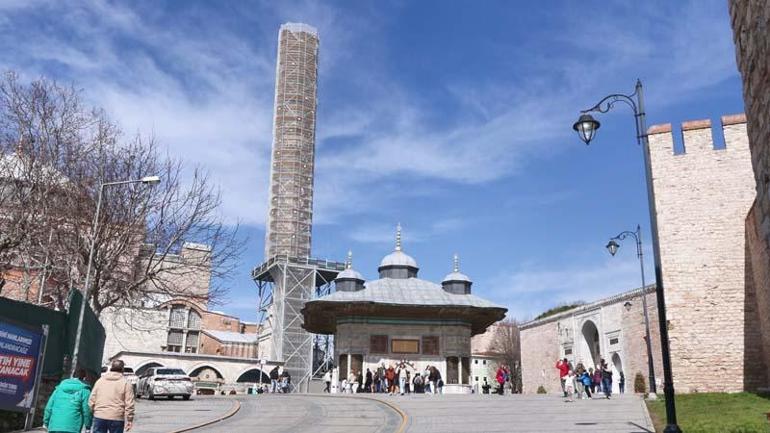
x: 176, y: 319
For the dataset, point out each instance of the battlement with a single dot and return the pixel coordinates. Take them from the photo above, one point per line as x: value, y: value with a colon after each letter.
x: 697, y: 137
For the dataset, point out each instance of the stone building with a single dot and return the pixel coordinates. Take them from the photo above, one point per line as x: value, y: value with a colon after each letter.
x: 401, y: 317
x: 610, y: 329
x: 751, y: 23
x: 176, y: 329
x: 485, y: 358
x: 702, y: 196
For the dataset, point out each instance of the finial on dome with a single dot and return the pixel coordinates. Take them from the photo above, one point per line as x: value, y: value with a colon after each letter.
x: 349, y: 261
x: 456, y: 263
x: 398, y: 237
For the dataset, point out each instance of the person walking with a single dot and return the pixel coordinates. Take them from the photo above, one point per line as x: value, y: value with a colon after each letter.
x: 369, y: 382
x: 390, y: 376
x: 67, y: 409
x: 112, y: 402
x: 274, y: 376
x: 500, y: 378
x: 587, y: 383
x: 401, y: 377
x: 569, y: 385
x: 328, y: 381
x: 606, y: 379
x: 563, y: 366
x: 622, y: 383
x: 597, y: 380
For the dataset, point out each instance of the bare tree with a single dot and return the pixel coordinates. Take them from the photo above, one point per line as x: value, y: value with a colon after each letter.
x: 141, y: 247
x: 507, y: 343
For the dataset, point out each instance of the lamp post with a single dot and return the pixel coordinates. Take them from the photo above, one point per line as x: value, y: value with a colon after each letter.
x: 147, y: 180
x: 612, y: 247
x: 586, y: 127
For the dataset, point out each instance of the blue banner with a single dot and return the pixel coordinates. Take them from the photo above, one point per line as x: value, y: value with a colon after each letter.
x: 19, y: 351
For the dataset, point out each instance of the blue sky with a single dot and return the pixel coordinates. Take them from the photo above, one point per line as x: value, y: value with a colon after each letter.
x: 453, y: 118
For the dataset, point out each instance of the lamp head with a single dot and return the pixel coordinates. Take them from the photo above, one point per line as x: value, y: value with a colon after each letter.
x: 612, y: 246
x: 150, y: 180
x: 586, y: 127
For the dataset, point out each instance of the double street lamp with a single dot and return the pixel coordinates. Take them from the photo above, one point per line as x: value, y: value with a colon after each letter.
x: 147, y: 180
x: 612, y: 247
x: 586, y: 127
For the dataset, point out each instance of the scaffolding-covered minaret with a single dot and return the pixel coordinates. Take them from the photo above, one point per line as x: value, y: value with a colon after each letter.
x: 289, y: 278
x: 290, y: 215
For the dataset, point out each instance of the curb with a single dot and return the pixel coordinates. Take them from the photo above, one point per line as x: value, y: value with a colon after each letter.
x: 233, y: 410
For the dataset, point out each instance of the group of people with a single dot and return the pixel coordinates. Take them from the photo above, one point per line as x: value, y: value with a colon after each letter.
x: 108, y: 407
x: 280, y: 380
x: 580, y: 383
x: 402, y: 378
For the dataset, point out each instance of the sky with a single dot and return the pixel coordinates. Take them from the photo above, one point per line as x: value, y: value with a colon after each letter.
x: 452, y: 118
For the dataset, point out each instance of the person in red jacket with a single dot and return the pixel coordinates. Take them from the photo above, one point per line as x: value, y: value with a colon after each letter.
x: 563, y: 366
x: 500, y: 377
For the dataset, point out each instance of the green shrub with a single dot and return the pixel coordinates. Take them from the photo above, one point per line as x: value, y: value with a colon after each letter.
x: 640, y: 385
x: 541, y: 390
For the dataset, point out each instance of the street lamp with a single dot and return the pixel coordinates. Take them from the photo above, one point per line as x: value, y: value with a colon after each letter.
x: 612, y: 247
x: 586, y: 128
x: 147, y: 180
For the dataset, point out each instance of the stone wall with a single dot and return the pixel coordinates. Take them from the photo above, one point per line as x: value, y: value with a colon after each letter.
x: 751, y: 29
x: 619, y: 324
x: 702, y: 197
x: 132, y: 329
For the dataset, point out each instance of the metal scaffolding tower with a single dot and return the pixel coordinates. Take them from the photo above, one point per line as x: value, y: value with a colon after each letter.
x: 290, y: 215
x: 285, y: 284
x: 288, y: 278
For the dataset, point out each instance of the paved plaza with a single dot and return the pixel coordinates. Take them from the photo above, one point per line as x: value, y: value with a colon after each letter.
x: 384, y: 414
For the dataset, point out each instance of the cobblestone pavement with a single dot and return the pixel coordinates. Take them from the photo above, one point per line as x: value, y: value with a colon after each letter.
x: 308, y: 413
x: 523, y: 413
x: 163, y: 416
x: 425, y: 414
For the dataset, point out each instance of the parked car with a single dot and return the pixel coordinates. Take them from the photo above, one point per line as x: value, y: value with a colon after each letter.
x: 164, y: 382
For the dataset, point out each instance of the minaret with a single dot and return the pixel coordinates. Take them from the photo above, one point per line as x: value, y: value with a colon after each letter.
x: 290, y: 210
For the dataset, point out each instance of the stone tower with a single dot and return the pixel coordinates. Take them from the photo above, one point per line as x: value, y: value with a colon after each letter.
x: 290, y: 211
x: 702, y: 197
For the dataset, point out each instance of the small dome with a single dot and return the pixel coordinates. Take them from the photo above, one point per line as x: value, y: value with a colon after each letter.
x: 457, y: 276
x: 349, y: 274
x: 398, y: 258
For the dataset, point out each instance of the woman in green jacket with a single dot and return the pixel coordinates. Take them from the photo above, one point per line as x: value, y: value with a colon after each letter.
x: 67, y: 410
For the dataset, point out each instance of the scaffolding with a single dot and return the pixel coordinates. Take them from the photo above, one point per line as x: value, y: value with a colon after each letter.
x: 284, y: 285
x: 290, y: 210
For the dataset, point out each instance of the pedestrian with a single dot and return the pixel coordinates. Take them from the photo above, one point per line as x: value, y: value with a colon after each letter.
x: 597, y: 380
x: 401, y: 377
x: 437, y: 382
x: 622, y: 383
x: 344, y: 387
x: 352, y: 382
x: 569, y: 385
x: 418, y: 384
x: 67, y: 409
x: 500, y: 378
x: 377, y: 381
x: 606, y: 379
x: 408, y: 382
x: 275, y: 374
x: 390, y: 376
x: 285, y: 382
x: 112, y: 402
x: 563, y: 366
x: 328, y: 381
x: 587, y: 383
x: 369, y: 383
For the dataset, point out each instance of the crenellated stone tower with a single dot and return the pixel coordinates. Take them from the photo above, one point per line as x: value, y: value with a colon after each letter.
x: 702, y: 197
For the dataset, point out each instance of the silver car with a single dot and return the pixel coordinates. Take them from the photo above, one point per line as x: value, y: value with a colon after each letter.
x: 164, y: 382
